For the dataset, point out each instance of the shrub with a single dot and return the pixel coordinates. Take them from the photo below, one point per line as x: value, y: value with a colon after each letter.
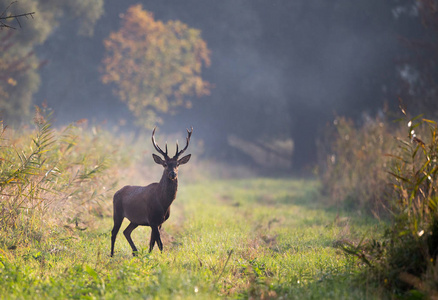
x: 415, y: 172
x: 405, y: 261
x: 49, y: 176
x: 353, y: 164
x: 414, y: 235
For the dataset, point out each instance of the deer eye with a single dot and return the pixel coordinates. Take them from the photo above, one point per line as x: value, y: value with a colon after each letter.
x: 165, y: 165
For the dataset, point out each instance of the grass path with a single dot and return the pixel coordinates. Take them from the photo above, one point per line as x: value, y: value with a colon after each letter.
x: 255, y: 238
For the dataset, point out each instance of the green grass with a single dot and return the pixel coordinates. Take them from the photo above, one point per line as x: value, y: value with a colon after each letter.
x: 252, y: 238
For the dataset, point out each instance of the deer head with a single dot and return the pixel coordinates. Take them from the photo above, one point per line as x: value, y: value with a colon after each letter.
x: 171, y: 164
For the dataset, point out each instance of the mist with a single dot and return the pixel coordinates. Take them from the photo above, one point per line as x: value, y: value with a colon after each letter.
x: 311, y: 172
x: 280, y: 71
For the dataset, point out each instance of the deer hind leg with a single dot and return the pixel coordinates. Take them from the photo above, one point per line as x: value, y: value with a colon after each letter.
x: 155, y: 237
x: 127, y: 233
x: 117, y: 223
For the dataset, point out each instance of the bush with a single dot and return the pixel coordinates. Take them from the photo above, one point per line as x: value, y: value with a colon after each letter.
x: 353, y: 164
x: 415, y: 172
x: 405, y: 261
x: 414, y: 234
x: 50, y: 176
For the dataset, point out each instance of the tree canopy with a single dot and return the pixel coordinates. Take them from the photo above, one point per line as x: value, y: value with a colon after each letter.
x: 19, y: 64
x: 155, y: 66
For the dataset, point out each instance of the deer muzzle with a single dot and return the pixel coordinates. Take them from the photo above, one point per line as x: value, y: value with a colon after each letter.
x: 172, y: 175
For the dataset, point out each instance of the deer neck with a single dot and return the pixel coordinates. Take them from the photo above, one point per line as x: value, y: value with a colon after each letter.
x: 168, y: 189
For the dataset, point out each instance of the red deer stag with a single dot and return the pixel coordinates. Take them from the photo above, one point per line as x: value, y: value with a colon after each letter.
x: 149, y: 205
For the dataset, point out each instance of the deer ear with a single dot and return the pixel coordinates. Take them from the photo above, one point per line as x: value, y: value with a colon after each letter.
x: 184, y: 160
x: 158, y: 159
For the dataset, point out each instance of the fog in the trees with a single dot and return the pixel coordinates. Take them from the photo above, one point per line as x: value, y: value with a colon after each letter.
x: 280, y: 70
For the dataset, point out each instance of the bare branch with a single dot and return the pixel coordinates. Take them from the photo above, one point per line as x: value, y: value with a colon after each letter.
x: 4, y: 17
x: 6, y: 9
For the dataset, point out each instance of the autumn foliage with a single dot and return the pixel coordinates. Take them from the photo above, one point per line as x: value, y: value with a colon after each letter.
x: 155, y: 66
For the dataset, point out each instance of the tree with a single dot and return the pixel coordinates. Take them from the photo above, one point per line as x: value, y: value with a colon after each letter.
x: 19, y: 65
x: 13, y: 64
x: 14, y: 67
x: 154, y: 66
x: 337, y: 56
x: 4, y: 18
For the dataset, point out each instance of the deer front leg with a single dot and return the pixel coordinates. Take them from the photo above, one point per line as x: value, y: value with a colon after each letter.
x: 155, y: 237
x: 159, y: 243
x: 127, y: 233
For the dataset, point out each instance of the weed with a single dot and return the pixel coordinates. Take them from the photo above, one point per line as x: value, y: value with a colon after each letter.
x: 45, y: 174
x: 353, y: 164
x: 404, y: 260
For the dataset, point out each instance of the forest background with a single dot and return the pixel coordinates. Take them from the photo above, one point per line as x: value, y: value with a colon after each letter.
x: 338, y: 99
x: 278, y: 72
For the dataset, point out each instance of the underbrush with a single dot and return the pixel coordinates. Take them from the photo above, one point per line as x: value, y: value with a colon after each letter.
x: 370, y: 170
x: 353, y: 164
x: 54, y: 177
x: 413, y: 238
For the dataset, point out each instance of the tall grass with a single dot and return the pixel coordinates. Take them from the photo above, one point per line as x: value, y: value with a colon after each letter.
x: 370, y: 169
x: 413, y: 247
x: 353, y: 164
x: 49, y: 176
x: 415, y: 174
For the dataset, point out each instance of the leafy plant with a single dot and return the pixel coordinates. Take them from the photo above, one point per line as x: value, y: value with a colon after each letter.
x: 154, y: 65
x: 19, y: 64
x: 353, y: 164
x: 40, y: 173
x: 405, y: 259
x: 414, y: 235
x: 20, y: 174
x: 415, y: 174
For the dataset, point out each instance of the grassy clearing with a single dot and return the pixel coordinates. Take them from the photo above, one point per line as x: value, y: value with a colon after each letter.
x: 261, y: 238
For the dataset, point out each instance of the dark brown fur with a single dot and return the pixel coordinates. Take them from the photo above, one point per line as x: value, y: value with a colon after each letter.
x: 148, y: 205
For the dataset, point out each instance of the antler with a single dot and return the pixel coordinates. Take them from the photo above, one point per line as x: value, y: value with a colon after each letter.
x: 157, y: 147
x: 189, y: 134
